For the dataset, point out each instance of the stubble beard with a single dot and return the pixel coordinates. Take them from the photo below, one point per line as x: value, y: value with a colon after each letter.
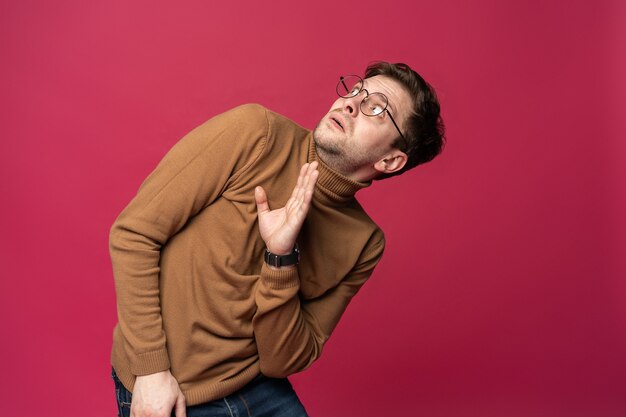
x: 334, y: 153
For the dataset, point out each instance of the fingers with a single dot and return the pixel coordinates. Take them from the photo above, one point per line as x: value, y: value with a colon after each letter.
x: 180, y: 409
x: 261, y: 200
x: 298, y: 187
x: 305, y: 185
x: 308, y: 185
x: 279, y: 228
x: 310, y: 176
x: 301, y: 194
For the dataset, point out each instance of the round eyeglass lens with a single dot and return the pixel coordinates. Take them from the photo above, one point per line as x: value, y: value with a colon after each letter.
x: 349, y: 86
x: 374, y: 104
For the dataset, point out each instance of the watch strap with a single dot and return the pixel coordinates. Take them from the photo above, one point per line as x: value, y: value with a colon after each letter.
x: 282, y: 260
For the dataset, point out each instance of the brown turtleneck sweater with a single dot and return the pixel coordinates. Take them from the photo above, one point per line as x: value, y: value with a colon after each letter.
x: 194, y: 294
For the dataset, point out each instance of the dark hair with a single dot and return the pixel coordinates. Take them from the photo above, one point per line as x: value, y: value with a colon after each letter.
x: 425, y: 131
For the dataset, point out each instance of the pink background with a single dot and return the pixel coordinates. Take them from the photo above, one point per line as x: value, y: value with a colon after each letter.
x: 502, y: 289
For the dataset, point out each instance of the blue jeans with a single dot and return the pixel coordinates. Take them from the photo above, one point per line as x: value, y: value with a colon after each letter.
x: 262, y: 397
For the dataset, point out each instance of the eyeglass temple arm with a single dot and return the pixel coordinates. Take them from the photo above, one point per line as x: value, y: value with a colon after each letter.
x: 395, y: 124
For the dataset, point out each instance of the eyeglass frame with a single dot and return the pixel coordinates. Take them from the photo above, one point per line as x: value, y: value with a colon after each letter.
x: 367, y: 94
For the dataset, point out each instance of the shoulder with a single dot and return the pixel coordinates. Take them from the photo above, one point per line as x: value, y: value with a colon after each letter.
x: 254, y: 110
x: 244, y: 116
x: 234, y: 139
x: 254, y: 115
x: 373, y: 249
x: 375, y: 244
x: 242, y: 126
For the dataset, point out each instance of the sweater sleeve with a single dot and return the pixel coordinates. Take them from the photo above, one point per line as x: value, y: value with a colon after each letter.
x: 290, y: 333
x: 189, y: 178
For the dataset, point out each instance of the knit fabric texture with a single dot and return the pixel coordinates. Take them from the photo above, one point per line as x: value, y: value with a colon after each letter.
x: 193, y: 292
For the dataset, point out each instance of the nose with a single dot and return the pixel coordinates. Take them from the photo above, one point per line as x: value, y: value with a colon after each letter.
x: 351, y: 104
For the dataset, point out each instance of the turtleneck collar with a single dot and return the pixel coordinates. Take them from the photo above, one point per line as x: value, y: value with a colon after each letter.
x: 332, y: 185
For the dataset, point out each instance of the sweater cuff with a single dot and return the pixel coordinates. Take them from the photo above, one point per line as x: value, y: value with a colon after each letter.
x: 279, y: 279
x: 150, y: 362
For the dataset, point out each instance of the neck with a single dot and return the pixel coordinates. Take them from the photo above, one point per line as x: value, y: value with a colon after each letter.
x: 338, y: 163
x: 332, y: 185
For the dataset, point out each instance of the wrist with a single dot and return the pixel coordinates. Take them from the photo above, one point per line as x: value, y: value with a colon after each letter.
x: 154, y: 376
x: 282, y: 260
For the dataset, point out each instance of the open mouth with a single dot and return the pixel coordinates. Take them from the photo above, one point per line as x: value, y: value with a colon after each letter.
x: 337, y: 122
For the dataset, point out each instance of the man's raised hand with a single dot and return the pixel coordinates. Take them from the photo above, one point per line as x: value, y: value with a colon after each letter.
x: 279, y: 228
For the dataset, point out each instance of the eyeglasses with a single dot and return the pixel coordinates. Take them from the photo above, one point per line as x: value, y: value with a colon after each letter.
x: 373, y: 104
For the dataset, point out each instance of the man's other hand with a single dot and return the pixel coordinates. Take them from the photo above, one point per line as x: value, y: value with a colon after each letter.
x: 279, y: 228
x: 156, y: 395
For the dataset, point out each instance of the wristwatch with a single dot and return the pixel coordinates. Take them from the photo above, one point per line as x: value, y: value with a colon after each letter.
x: 282, y: 260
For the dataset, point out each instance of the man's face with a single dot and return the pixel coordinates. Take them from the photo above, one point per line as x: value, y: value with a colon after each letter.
x: 351, y: 142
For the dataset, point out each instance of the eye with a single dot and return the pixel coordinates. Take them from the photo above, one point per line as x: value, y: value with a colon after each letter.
x: 355, y: 90
x: 376, y: 109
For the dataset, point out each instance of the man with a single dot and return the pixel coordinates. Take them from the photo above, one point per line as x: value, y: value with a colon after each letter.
x: 241, y: 251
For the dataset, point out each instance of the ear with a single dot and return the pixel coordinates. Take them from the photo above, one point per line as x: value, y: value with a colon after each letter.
x: 391, y: 162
